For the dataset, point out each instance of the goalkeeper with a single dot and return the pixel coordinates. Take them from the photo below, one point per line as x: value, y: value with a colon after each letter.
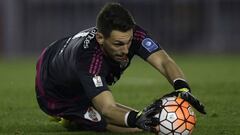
x: 73, y: 75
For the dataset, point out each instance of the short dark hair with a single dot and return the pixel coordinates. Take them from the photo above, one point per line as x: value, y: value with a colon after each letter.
x: 114, y: 17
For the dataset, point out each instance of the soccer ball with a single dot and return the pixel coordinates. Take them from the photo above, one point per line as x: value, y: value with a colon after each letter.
x: 176, y: 117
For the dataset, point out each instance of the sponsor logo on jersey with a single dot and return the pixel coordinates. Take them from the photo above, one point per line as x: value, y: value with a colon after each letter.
x: 97, y: 81
x: 89, y: 37
x: 92, y: 115
x: 148, y: 44
x: 80, y: 34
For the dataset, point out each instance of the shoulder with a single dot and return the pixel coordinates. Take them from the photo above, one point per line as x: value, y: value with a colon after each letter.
x: 143, y: 44
x: 84, y: 33
x: 139, y: 33
x: 85, y: 36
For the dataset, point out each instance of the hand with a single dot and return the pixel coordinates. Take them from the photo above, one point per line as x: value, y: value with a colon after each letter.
x: 146, y: 119
x: 185, y: 94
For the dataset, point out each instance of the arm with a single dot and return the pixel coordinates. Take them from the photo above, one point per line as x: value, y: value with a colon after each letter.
x: 106, y: 105
x: 126, y: 107
x: 118, y: 115
x: 113, y: 112
x: 164, y: 64
x: 119, y: 129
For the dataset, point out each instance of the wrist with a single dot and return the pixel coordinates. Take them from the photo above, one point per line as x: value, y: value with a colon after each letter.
x: 180, y: 83
x: 131, y: 118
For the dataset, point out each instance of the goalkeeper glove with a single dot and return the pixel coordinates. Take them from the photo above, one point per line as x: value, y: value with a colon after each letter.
x: 145, y: 119
x: 183, y: 91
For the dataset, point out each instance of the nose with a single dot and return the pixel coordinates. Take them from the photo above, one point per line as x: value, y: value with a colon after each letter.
x: 125, y: 49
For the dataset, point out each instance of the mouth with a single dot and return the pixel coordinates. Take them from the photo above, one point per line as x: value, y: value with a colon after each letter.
x: 121, y: 58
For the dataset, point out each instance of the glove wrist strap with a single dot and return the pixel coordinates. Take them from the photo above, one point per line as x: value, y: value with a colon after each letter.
x: 131, y: 119
x: 180, y: 83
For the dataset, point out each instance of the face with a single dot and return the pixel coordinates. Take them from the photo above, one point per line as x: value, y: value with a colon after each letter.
x: 117, y: 44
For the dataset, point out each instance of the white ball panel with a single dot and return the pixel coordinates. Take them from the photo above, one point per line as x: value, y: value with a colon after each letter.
x: 163, y: 115
x: 186, y: 132
x: 164, y: 131
x: 191, y: 111
x: 167, y: 124
x: 164, y: 101
x: 171, y: 117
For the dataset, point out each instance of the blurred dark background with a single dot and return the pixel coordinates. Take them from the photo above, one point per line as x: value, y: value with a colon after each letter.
x: 181, y: 26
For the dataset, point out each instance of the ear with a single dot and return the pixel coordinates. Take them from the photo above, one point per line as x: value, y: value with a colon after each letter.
x: 99, y: 38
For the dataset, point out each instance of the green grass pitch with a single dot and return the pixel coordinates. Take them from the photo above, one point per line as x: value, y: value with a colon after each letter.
x: 214, y: 80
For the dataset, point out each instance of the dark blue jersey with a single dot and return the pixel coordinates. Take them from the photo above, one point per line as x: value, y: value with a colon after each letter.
x: 76, y: 67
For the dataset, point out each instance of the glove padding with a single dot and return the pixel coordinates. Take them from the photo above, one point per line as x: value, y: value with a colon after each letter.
x: 146, y: 119
x: 186, y: 95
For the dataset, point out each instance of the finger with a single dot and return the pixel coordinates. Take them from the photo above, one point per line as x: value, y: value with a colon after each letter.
x: 152, y: 111
x: 201, y: 109
x: 153, y: 129
x: 152, y: 122
x: 155, y: 122
x: 149, y: 128
x: 194, y: 102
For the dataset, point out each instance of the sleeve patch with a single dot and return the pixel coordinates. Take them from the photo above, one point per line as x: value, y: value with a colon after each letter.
x: 148, y: 44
